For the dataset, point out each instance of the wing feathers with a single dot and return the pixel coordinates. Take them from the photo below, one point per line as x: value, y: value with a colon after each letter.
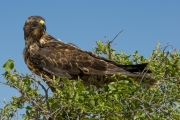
x: 57, y: 73
x: 64, y: 60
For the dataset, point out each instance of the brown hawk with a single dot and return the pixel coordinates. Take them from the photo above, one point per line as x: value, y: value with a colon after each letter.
x: 46, y: 56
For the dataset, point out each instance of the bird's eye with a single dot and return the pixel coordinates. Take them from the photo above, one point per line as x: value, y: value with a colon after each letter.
x: 35, y: 25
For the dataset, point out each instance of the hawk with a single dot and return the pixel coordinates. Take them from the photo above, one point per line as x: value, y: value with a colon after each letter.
x: 47, y: 57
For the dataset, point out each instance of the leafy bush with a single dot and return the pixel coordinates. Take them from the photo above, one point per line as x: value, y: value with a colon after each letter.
x: 124, y: 99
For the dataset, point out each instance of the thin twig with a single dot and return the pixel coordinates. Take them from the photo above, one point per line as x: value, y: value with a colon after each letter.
x: 109, y: 42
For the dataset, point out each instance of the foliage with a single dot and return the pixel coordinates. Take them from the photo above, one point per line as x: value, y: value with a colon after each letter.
x: 124, y: 99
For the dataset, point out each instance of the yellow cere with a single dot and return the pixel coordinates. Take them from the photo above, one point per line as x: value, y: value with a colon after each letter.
x: 41, y: 22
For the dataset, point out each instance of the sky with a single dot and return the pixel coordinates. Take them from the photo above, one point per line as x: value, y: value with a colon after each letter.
x: 83, y: 22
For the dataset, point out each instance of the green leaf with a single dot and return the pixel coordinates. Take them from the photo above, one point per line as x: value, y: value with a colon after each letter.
x: 112, y: 86
x: 92, y: 103
x: 9, y: 65
x: 116, y: 96
x: 14, y: 106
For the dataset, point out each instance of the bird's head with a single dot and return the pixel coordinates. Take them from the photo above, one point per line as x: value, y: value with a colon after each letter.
x: 34, y: 27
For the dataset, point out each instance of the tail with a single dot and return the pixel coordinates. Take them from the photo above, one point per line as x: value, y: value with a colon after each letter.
x: 134, y: 68
x: 130, y: 68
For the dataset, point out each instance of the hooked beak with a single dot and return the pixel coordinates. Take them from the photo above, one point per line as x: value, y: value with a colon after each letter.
x: 42, y: 23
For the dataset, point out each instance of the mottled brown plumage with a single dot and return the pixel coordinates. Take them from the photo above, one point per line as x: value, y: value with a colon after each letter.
x: 46, y: 56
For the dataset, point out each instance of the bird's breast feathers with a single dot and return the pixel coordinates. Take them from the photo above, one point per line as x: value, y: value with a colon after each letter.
x: 33, y: 49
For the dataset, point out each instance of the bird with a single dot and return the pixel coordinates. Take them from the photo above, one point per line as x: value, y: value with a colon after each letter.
x: 47, y: 57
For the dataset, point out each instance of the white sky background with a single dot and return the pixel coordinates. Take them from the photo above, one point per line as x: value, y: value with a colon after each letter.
x: 83, y: 22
